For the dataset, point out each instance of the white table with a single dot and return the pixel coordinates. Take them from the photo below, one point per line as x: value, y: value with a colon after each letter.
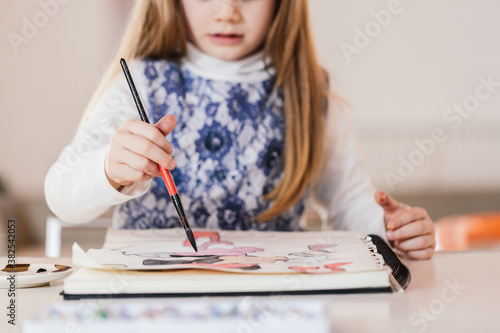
x: 453, y: 292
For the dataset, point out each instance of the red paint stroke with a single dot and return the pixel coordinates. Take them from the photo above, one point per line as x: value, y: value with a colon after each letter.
x: 336, y: 267
x: 332, y: 267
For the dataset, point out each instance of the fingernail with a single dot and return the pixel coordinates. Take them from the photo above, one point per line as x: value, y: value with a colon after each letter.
x: 389, y: 226
x: 172, y: 164
x: 390, y: 234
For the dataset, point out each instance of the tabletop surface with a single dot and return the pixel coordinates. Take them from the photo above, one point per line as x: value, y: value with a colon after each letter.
x: 453, y: 292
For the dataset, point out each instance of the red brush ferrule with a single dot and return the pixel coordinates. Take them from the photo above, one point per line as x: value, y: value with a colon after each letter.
x: 169, y: 181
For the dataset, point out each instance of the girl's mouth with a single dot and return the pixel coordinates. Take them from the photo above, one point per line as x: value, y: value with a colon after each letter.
x: 226, y: 39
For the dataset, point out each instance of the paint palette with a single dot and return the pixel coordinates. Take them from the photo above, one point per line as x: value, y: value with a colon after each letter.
x: 31, y: 275
x: 206, y: 315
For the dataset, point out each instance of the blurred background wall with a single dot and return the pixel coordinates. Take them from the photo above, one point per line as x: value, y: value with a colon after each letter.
x: 53, y: 53
x: 422, y: 79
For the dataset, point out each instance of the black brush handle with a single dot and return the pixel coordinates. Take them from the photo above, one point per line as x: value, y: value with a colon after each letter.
x: 134, y: 92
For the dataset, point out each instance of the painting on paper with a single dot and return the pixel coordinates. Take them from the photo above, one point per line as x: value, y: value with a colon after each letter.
x: 235, y: 251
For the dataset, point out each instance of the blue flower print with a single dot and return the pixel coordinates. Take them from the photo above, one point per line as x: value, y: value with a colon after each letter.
x: 214, y: 142
x: 237, y: 100
x: 172, y: 77
x: 150, y: 72
x: 270, y: 157
x: 212, y: 109
x: 231, y: 214
x: 200, y: 214
x: 240, y: 109
x: 219, y: 174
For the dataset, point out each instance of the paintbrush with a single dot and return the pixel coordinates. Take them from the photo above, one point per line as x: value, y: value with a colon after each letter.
x: 167, y: 176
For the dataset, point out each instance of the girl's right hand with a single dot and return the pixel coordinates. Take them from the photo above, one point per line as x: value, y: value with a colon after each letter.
x: 136, y: 150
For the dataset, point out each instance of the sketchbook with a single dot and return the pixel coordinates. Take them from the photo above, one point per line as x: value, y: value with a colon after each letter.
x: 161, y: 263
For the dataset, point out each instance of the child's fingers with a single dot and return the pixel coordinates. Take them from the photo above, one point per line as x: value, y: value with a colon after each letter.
x: 124, y: 174
x: 389, y: 204
x: 136, y: 150
x: 144, y: 147
x: 166, y: 124
x: 406, y: 216
x: 150, y: 132
x: 139, y: 163
x: 410, y: 230
x: 124, y: 167
x: 416, y: 243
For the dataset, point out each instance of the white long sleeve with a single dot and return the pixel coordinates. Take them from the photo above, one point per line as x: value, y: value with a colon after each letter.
x: 344, y: 188
x: 76, y: 186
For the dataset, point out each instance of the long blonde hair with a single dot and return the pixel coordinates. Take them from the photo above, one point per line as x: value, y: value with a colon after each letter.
x: 158, y: 29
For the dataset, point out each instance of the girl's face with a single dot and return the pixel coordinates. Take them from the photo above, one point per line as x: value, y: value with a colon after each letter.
x: 229, y: 29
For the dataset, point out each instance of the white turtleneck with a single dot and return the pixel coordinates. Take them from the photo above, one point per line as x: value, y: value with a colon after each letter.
x: 250, y: 69
x: 78, y: 191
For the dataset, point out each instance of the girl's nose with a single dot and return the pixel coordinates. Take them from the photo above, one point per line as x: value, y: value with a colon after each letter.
x: 227, y: 10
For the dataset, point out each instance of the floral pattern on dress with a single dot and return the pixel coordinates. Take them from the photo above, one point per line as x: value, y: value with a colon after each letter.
x: 228, y: 144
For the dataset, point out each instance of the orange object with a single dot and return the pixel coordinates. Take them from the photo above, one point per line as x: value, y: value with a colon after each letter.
x: 472, y: 231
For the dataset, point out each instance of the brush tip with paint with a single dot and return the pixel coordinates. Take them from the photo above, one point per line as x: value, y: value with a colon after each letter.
x: 190, y: 236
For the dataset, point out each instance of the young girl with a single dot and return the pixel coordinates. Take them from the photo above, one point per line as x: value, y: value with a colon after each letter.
x: 244, y: 120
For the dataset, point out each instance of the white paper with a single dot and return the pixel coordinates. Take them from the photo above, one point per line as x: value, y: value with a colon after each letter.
x: 235, y: 251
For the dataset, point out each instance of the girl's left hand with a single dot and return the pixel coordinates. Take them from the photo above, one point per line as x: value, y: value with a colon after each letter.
x: 409, y: 229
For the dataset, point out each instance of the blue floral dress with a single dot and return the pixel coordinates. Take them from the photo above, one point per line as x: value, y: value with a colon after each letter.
x: 228, y: 145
